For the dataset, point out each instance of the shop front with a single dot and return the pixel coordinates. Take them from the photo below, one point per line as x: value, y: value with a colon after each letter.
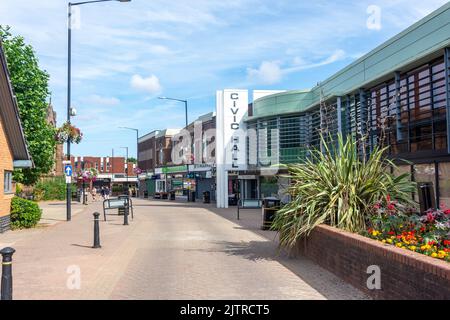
x: 202, y: 180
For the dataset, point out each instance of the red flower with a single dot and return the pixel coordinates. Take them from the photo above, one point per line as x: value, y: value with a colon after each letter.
x: 447, y: 212
x: 388, y: 198
x: 446, y: 242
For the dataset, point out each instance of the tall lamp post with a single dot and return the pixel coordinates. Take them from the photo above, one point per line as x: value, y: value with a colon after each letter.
x: 69, y: 88
x: 187, y: 123
x: 137, y: 140
x: 137, y: 154
x: 126, y: 166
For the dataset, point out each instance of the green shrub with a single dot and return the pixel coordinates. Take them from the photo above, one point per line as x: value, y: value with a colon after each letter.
x: 49, y: 189
x: 338, y: 190
x: 24, y: 213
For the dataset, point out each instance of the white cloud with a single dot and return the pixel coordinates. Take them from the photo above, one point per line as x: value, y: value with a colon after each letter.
x: 269, y: 72
x: 104, y: 101
x: 150, y: 85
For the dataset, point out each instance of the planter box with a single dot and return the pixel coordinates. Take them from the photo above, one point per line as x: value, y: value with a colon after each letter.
x: 404, y: 274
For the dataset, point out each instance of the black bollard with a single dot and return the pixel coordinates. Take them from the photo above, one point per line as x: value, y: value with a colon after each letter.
x: 125, y: 215
x: 97, y: 231
x: 7, y: 281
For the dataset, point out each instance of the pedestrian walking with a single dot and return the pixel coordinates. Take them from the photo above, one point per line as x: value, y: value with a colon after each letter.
x: 94, y: 194
x: 107, y: 193
x: 103, y: 193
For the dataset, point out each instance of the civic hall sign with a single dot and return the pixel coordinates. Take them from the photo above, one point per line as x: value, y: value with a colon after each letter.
x: 231, y: 135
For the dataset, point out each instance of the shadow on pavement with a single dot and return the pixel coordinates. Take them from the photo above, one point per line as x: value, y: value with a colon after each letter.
x: 81, y: 246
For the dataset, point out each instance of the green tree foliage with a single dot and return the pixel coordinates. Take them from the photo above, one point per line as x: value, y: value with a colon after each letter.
x: 132, y: 160
x: 48, y: 189
x: 30, y: 85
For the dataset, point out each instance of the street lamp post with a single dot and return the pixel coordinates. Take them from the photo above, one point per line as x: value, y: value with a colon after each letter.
x: 137, y: 154
x: 69, y: 87
x: 137, y: 140
x: 126, y: 166
x: 187, y: 123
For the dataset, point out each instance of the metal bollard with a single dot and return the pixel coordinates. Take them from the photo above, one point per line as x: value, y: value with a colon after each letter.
x: 7, y: 281
x: 96, y: 231
x: 125, y: 215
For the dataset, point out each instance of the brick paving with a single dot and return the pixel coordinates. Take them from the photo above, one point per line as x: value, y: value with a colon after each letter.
x: 171, y: 250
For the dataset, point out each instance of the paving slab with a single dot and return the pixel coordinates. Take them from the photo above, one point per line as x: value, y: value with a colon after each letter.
x: 171, y: 250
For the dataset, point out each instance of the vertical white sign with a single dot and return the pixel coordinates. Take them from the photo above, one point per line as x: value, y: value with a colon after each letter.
x: 231, y: 139
x: 235, y: 106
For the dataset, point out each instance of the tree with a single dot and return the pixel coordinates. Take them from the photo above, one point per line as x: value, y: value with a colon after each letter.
x: 30, y: 85
x: 132, y: 160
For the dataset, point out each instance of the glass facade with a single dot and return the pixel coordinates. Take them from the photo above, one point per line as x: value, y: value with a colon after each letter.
x: 407, y: 112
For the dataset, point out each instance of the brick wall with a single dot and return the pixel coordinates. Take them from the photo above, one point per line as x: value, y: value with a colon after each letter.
x: 404, y: 274
x: 6, y: 163
x: 117, y: 164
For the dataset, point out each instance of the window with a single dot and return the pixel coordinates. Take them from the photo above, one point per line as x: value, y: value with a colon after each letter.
x: 8, y: 182
x: 444, y: 184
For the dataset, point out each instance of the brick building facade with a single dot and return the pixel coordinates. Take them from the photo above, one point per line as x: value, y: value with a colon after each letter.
x: 104, y: 165
x: 58, y: 168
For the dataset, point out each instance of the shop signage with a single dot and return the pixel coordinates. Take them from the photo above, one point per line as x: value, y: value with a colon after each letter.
x: 200, y: 167
x: 247, y: 177
x: 177, y: 169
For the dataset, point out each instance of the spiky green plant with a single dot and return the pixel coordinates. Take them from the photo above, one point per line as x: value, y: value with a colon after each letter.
x: 337, y: 187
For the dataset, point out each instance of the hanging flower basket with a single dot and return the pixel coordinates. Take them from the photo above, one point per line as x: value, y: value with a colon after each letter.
x: 137, y: 171
x: 68, y: 133
x: 86, y: 175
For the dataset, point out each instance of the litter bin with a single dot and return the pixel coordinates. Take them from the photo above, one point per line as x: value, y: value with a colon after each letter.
x: 192, y: 197
x: 206, y: 197
x: 426, y: 196
x: 75, y: 196
x: 172, y: 195
x: 269, y: 210
x: 232, y: 200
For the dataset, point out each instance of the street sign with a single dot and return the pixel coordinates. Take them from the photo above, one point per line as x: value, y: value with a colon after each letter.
x: 68, y: 170
x: 68, y: 179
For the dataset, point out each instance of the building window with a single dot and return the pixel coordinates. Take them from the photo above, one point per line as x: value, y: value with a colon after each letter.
x: 8, y: 182
x: 444, y: 184
x: 425, y: 173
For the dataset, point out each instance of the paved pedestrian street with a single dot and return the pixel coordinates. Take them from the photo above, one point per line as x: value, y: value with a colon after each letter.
x: 171, y: 250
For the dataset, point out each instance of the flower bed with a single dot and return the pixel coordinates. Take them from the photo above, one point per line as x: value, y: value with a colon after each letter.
x: 427, y: 234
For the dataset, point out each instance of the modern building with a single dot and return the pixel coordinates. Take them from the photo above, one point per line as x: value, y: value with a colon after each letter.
x: 14, y: 152
x: 398, y: 94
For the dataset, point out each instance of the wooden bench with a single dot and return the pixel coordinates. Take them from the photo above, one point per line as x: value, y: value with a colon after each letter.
x: 122, y: 202
x: 248, y: 204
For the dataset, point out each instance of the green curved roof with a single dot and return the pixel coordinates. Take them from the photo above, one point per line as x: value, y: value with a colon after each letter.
x: 423, y: 40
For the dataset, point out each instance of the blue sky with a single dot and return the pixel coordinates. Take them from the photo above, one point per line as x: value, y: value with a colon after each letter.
x: 125, y: 55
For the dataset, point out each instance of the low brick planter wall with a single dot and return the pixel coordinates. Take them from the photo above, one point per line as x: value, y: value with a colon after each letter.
x: 404, y: 274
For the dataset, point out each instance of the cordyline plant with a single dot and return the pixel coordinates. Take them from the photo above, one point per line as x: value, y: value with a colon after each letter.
x: 338, y: 187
